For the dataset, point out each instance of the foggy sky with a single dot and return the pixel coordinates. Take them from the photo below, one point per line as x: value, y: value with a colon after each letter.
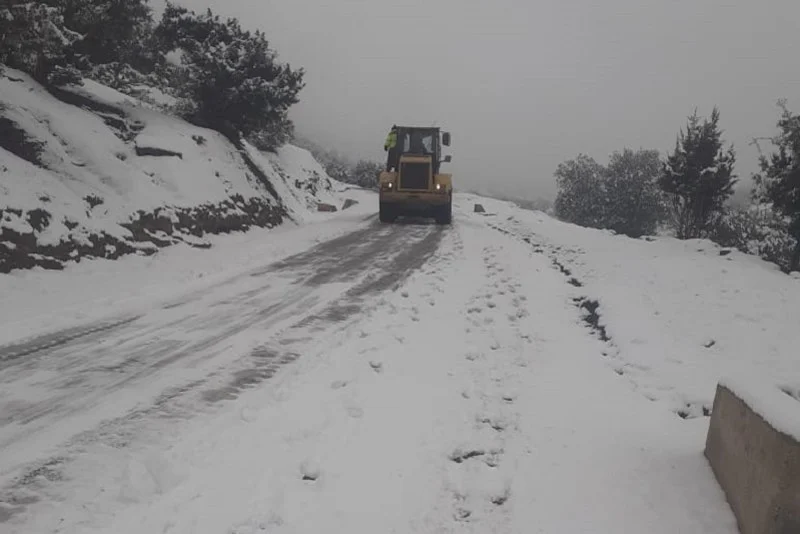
x: 525, y: 84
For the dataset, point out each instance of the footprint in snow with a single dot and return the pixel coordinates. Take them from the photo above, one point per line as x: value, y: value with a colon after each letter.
x: 500, y: 499
x: 496, y: 423
x: 339, y: 384
x: 493, y: 458
x: 248, y: 415
x: 310, y: 471
x: 376, y: 366
x: 462, y: 514
x: 355, y: 412
x: 459, y: 455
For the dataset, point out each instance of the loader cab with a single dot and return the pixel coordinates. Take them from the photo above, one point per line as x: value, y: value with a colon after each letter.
x: 416, y: 141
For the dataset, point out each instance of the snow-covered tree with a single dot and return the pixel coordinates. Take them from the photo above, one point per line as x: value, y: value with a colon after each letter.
x: 779, y: 181
x: 581, y: 194
x: 229, y: 78
x: 273, y: 135
x: 698, y: 176
x: 634, y: 203
x: 33, y: 39
x: 113, y: 32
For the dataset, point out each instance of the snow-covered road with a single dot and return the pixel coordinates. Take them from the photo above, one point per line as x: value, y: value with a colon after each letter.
x: 89, y: 383
x: 406, y: 378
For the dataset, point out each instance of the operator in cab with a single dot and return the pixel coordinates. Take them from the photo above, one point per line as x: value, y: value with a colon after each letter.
x: 390, y: 146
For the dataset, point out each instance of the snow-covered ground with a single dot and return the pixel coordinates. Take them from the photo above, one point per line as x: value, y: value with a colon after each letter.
x: 680, y: 315
x: 463, y: 392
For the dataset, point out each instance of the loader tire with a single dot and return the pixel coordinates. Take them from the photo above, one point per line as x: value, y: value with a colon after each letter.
x: 386, y: 214
x: 445, y: 215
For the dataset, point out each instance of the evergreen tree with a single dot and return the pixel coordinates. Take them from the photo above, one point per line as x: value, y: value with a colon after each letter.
x: 698, y: 177
x: 273, y: 135
x: 229, y: 78
x: 581, y: 194
x: 779, y: 180
x: 33, y: 39
x: 634, y: 204
x: 114, y: 33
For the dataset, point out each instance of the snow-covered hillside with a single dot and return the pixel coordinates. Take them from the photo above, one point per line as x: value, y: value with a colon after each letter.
x: 92, y: 172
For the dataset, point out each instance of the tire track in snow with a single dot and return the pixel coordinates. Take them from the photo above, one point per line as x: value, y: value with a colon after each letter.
x: 382, y: 257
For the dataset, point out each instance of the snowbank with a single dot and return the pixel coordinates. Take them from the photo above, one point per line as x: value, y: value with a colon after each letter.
x: 89, y: 172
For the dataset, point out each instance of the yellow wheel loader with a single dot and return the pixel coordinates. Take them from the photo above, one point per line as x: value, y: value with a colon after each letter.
x: 412, y: 184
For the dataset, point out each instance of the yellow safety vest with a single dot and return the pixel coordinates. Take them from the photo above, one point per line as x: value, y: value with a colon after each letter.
x: 391, y: 140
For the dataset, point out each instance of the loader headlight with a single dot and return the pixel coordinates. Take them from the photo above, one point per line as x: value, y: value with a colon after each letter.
x: 438, y: 187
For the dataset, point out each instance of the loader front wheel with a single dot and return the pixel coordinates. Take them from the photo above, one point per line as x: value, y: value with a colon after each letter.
x: 445, y: 215
x: 386, y: 214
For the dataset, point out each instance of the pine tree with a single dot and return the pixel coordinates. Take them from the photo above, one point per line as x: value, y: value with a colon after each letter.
x: 634, y: 203
x: 33, y: 39
x: 581, y: 197
x: 779, y: 180
x: 116, y: 45
x: 698, y: 177
x: 112, y: 30
x: 230, y: 79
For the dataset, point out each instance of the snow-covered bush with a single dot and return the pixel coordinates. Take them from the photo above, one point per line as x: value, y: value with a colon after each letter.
x: 623, y: 196
x: 581, y: 192
x: 757, y: 230
x: 634, y: 204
